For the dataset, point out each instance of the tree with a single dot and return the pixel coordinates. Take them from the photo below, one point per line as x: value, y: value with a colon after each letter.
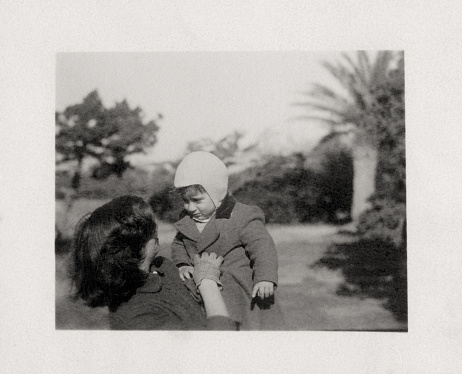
x: 388, y: 117
x: 349, y: 112
x: 374, y: 265
x: 332, y: 160
x: 225, y: 149
x: 108, y: 136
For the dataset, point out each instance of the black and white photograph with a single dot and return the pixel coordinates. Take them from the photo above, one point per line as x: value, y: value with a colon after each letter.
x: 230, y: 187
x: 305, y: 151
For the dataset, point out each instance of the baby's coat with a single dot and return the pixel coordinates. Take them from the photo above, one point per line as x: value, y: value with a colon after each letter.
x: 237, y: 233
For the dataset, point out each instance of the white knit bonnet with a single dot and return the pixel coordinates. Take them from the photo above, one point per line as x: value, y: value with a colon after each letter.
x: 205, y: 169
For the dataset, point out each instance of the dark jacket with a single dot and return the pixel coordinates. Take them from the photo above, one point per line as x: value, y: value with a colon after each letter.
x: 237, y: 233
x: 165, y: 303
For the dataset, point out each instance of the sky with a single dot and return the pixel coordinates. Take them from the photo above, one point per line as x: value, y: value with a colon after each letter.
x: 199, y: 94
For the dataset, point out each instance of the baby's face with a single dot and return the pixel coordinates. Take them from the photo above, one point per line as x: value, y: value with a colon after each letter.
x: 200, y: 206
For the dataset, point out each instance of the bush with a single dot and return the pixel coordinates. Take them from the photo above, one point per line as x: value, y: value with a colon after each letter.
x: 291, y: 193
x: 278, y: 208
x: 167, y: 204
x: 383, y: 221
x: 133, y: 182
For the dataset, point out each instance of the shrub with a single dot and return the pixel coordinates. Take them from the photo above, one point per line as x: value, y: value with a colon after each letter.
x: 295, y: 197
x: 288, y: 192
x: 167, y: 204
x: 278, y: 207
x: 134, y: 181
x: 383, y: 221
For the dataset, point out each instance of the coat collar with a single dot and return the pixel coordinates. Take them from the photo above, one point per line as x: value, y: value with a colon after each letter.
x: 188, y: 228
x: 226, y: 207
x: 223, y: 211
x: 210, y: 234
x: 153, y: 282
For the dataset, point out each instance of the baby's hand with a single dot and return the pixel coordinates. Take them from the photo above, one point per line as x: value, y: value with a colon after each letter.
x: 186, y: 272
x: 263, y: 289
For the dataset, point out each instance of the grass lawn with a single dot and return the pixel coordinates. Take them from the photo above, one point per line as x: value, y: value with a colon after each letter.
x: 307, y: 295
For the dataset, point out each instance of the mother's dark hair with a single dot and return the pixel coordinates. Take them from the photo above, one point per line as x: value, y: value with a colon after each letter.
x: 107, y: 251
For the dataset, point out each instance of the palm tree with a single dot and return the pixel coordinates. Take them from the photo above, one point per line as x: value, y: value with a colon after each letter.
x: 345, y: 110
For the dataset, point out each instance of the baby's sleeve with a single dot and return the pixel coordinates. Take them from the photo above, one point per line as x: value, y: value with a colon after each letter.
x: 179, y: 254
x: 260, y: 245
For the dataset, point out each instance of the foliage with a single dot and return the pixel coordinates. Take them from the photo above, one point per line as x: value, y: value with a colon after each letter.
x: 225, y: 148
x: 375, y: 262
x: 62, y: 245
x: 333, y: 161
x: 134, y: 181
x: 383, y: 221
x: 357, y: 107
x: 107, y: 135
x: 372, y: 102
x: 390, y: 127
x: 387, y: 117
x: 270, y: 166
x: 272, y: 197
x: 357, y: 79
x: 298, y: 194
x: 167, y: 204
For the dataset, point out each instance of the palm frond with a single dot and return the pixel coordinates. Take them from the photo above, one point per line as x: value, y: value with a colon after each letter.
x: 357, y: 76
x: 326, y: 121
x: 363, y: 61
x: 323, y: 93
x: 359, y: 73
x: 333, y: 109
x: 338, y: 72
x: 380, y: 67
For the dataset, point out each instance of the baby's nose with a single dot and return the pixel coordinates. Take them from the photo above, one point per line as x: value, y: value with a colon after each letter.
x: 191, y: 207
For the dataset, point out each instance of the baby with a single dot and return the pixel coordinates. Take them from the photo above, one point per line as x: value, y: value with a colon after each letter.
x: 213, y: 221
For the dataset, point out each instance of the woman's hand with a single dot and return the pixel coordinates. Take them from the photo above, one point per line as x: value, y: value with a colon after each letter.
x: 207, y: 267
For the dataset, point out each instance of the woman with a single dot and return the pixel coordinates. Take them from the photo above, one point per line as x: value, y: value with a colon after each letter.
x: 115, y: 264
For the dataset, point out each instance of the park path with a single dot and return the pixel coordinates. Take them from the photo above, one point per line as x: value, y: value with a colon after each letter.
x: 307, y: 295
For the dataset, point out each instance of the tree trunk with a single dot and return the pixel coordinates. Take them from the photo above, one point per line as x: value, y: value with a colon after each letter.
x: 75, y: 183
x: 63, y: 209
x: 365, y: 158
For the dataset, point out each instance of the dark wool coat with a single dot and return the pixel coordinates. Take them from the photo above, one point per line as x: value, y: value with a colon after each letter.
x: 165, y: 303
x: 237, y: 233
x: 162, y: 303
